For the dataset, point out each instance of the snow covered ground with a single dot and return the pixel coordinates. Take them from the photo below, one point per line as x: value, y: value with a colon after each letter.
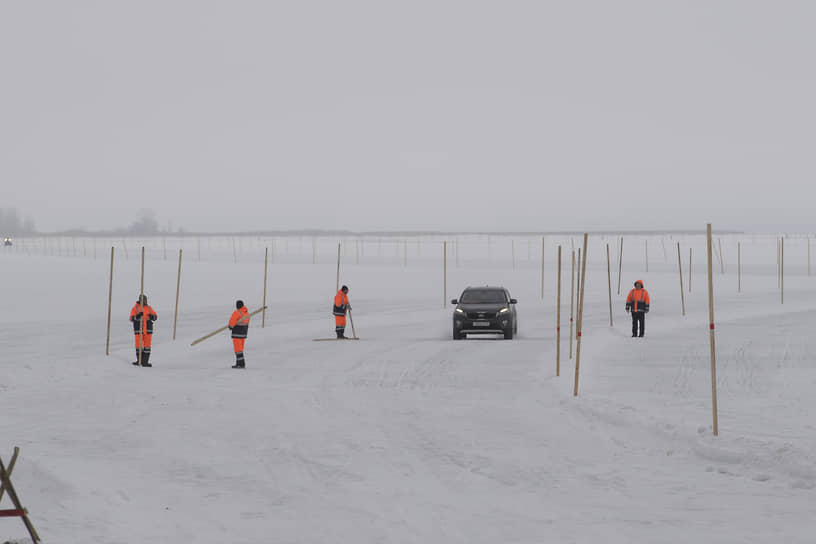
x: 406, y: 435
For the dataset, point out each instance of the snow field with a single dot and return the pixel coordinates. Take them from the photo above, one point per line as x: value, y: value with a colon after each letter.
x: 407, y: 436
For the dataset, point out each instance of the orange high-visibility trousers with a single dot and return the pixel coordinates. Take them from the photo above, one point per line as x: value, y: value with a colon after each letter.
x: 238, y: 344
x: 148, y: 340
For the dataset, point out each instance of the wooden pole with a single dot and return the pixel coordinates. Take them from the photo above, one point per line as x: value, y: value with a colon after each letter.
x: 578, y: 280
x: 782, y: 270
x: 141, y: 311
x: 266, y: 263
x: 620, y: 264
x: 711, y: 331
x: 353, y: 331
x: 178, y: 291
x: 579, y: 327
x: 722, y: 263
x: 572, y: 300
x: 680, y: 268
x: 609, y: 282
x: 444, y: 273
x: 9, y: 470
x: 110, y: 301
x: 338, y: 267
x: 225, y: 327
x: 558, y: 320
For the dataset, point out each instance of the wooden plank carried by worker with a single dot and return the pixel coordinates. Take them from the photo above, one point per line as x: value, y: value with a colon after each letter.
x: 225, y: 327
x: 6, y: 487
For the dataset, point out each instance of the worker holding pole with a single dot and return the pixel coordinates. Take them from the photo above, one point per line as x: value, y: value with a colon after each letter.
x: 239, y: 325
x: 341, y: 307
x: 142, y: 316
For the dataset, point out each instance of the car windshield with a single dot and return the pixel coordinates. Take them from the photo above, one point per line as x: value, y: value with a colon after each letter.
x: 482, y: 296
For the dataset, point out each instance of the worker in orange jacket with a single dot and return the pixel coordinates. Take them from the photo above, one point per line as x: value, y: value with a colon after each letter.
x: 638, y: 303
x: 142, y: 316
x: 239, y: 325
x: 341, y: 306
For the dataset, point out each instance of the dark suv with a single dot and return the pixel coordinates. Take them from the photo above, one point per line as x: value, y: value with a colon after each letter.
x: 485, y: 310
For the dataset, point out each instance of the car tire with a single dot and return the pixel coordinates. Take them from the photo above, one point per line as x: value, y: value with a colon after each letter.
x: 508, y: 333
x: 456, y: 334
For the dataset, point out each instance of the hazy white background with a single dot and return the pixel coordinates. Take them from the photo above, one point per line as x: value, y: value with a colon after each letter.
x: 412, y: 115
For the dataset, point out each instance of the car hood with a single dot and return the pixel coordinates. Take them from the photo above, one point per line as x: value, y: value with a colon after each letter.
x: 492, y: 307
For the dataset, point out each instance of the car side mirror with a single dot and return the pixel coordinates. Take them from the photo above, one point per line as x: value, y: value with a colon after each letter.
x: 513, y: 301
x: 454, y: 301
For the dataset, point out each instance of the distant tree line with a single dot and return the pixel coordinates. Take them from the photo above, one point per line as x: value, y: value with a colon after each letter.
x: 11, y: 224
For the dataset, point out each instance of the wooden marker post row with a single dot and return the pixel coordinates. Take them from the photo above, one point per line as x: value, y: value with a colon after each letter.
x: 580, y: 316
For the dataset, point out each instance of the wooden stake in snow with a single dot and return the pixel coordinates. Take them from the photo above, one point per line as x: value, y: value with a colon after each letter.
x: 338, y: 267
x: 572, y: 300
x: 711, y: 329
x: 266, y: 262
x: 110, y: 300
x: 18, y: 511
x: 680, y: 268
x: 689, y: 270
x: 620, y: 264
x: 609, y: 281
x: 141, y: 312
x: 646, y: 243
x: 178, y: 290
x: 722, y: 263
x: 225, y: 327
x: 558, y: 320
x: 579, y: 327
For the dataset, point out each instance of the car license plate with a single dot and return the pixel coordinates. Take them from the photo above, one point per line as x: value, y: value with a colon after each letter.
x: 481, y: 323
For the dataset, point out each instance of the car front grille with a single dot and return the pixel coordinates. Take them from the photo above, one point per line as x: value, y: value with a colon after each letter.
x: 481, y: 315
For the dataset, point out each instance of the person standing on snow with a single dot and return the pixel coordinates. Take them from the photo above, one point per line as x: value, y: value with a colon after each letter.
x: 239, y: 325
x: 638, y: 303
x: 341, y: 306
x: 142, y: 316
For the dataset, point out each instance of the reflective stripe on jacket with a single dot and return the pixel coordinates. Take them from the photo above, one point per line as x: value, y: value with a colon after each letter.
x: 638, y: 300
x: 239, y: 322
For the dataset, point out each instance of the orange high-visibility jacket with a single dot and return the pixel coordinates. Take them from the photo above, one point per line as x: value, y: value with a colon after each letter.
x: 638, y: 300
x: 239, y: 322
x: 148, y: 317
x: 340, y: 303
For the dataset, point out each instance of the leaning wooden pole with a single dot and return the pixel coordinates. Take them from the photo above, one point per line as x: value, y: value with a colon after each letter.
x: 558, y: 320
x: 722, y: 263
x: 141, y: 313
x: 620, y: 264
x: 225, y: 327
x: 572, y: 303
x: 178, y: 291
x: 711, y: 331
x: 609, y: 282
x: 110, y: 301
x: 689, y: 271
x: 266, y: 265
x: 579, y: 327
x: 680, y: 268
x: 338, y: 267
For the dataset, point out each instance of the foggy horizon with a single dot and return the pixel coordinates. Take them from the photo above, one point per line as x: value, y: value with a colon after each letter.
x: 421, y: 117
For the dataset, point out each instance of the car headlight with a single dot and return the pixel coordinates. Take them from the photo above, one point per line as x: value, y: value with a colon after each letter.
x: 459, y: 311
x: 503, y: 310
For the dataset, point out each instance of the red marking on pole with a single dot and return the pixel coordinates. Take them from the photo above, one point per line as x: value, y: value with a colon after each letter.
x: 578, y: 334
x: 558, y: 328
x: 712, y: 326
x: 570, y: 320
x: 12, y: 513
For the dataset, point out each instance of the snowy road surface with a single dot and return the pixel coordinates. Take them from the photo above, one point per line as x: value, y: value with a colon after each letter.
x: 406, y: 435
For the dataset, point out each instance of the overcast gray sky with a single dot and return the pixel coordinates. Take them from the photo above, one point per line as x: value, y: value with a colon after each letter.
x: 463, y: 115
